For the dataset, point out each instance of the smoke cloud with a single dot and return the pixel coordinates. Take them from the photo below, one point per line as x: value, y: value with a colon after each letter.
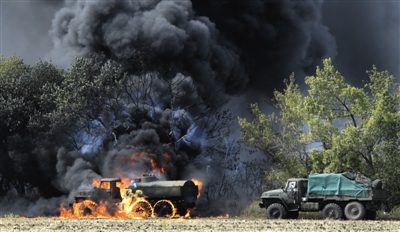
x: 366, y: 33
x: 260, y: 42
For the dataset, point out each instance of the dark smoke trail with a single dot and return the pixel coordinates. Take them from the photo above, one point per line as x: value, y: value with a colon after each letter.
x: 367, y: 33
x: 232, y: 40
x: 273, y: 38
x: 166, y: 35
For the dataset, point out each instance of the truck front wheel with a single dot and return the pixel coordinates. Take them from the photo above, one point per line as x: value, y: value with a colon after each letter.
x: 354, y: 211
x: 276, y: 211
x: 332, y: 211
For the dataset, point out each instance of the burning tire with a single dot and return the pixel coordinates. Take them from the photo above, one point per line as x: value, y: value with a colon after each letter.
x: 164, y: 208
x: 141, y: 209
x: 354, y: 211
x: 332, y: 211
x: 85, y: 208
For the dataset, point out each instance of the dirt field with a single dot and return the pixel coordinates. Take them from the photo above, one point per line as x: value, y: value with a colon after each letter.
x: 201, y: 224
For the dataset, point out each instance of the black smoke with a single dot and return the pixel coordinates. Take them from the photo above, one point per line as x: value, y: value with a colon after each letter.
x: 234, y: 41
x: 273, y: 38
x: 366, y: 33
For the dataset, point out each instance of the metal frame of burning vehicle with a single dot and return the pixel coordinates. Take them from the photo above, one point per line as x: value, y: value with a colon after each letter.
x: 143, y: 197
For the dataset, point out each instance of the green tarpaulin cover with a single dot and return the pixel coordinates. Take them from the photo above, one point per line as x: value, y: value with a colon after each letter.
x: 342, y: 184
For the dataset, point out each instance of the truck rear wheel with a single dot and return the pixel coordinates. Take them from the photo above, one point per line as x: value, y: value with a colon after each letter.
x: 141, y: 209
x: 332, y: 211
x: 276, y: 211
x: 354, y: 211
x: 164, y: 208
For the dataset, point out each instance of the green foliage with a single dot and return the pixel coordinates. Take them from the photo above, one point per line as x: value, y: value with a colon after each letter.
x: 11, y: 215
x: 335, y: 128
x: 163, y: 225
x: 253, y: 211
x: 393, y: 214
x: 25, y: 97
x: 284, y: 138
x: 88, y: 88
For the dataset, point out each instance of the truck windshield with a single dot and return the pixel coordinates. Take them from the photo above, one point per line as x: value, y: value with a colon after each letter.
x: 290, y: 185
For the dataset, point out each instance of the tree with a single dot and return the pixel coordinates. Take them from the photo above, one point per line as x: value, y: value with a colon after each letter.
x: 283, y: 138
x: 85, y: 98
x: 24, y: 99
x: 346, y: 128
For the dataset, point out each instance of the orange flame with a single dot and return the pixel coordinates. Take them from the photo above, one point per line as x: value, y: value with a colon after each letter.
x: 136, y: 208
x: 124, y: 182
x: 199, y: 184
x: 224, y: 216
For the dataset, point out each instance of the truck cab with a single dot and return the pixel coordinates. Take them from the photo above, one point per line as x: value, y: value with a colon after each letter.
x: 290, y: 196
x: 107, y: 190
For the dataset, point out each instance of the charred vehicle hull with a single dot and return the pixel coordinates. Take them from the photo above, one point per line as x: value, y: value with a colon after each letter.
x: 182, y: 193
x: 158, y: 198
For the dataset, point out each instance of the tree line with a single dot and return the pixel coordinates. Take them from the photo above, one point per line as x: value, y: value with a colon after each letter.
x: 331, y: 126
x: 97, y: 101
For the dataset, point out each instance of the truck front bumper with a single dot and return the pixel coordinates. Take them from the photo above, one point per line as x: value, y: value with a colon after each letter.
x: 261, y: 204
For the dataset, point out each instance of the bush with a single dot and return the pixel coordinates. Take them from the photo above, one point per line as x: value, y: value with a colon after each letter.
x: 392, y: 215
x: 253, y: 211
x: 11, y: 215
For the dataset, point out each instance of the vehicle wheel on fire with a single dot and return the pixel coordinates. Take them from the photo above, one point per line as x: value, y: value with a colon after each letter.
x: 164, y: 208
x: 141, y: 208
x: 354, y: 211
x: 276, y: 211
x: 85, y: 208
x: 332, y: 211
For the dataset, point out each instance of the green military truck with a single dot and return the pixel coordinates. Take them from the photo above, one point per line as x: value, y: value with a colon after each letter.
x: 338, y: 196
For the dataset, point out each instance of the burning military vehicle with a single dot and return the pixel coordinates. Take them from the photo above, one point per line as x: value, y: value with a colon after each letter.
x: 141, y: 197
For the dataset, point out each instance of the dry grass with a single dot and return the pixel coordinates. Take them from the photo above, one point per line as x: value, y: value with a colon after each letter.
x: 199, y: 224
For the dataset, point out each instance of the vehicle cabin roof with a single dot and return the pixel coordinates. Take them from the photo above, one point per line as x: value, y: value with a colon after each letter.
x: 110, y: 180
x: 297, y: 179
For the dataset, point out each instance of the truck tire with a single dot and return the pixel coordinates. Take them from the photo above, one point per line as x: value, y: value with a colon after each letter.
x: 276, y: 211
x: 370, y: 215
x: 354, y: 211
x: 332, y: 211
